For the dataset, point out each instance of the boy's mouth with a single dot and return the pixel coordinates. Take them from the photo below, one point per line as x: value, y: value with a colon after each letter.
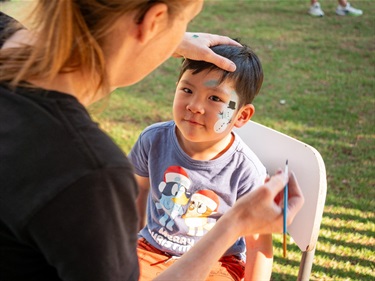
x: 193, y: 122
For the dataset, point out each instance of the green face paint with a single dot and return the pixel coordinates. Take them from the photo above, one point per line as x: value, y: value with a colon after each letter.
x: 195, y: 36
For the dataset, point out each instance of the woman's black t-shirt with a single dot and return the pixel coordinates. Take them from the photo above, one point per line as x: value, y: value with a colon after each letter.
x: 67, y: 192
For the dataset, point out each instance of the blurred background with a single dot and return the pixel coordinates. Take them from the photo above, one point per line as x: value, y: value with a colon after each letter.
x: 319, y: 87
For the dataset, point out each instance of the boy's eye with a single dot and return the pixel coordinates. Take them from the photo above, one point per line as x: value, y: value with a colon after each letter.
x: 215, y: 98
x: 186, y: 90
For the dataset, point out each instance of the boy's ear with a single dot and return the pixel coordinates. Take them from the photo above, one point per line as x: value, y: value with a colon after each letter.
x: 155, y: 19
x: 244, y: 115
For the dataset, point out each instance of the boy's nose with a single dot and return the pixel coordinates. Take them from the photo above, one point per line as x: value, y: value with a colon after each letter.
x: 195, y: 107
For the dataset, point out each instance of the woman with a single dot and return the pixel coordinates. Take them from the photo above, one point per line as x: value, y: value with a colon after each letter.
x: 67, y: 193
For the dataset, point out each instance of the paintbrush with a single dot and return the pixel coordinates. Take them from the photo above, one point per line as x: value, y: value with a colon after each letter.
x: 285, y: 209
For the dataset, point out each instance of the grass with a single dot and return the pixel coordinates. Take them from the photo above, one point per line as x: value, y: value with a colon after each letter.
x: 324, y: 68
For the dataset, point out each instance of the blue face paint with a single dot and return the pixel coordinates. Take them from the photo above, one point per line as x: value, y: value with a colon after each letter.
x: 211, y: 83
x: 195, y: 36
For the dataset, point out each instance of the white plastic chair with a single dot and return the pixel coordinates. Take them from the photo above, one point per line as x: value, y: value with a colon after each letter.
x: 273, y: 148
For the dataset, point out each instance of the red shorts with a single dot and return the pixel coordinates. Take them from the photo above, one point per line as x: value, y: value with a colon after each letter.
x: 152, y: 262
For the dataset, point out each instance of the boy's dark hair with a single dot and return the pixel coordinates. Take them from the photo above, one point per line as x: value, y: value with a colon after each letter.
x: 247, y: 78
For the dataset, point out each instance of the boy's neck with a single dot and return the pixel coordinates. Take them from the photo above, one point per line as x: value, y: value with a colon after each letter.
x: 205, y: 151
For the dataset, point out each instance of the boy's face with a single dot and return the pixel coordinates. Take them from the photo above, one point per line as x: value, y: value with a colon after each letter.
x: 203, y: 109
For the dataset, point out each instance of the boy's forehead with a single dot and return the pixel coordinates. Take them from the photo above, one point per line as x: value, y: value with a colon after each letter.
x: 211, y: 82
x: 211, y: 79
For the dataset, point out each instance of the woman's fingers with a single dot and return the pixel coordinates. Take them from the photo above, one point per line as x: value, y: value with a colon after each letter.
x: 196, y: 46
x: 295, y: 198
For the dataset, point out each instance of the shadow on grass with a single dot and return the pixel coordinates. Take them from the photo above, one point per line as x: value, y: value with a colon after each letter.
x: 327, y: 271
x: 322, y: 270
x: 353, y: 260
x: 348, y: 217
x: 282, y: 277
x: 346, y: 274
x: 343, y: 229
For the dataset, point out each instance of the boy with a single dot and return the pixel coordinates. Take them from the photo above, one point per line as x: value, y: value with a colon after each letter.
x: 192, y: 170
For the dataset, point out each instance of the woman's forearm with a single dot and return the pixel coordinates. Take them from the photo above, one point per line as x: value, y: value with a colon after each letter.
x: 197, y: 262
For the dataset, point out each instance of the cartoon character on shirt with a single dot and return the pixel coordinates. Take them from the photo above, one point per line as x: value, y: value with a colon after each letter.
x: 203, y: 203
x: 174, y: 190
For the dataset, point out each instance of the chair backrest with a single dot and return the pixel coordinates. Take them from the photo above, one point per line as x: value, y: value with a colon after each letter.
x: 273, y: 148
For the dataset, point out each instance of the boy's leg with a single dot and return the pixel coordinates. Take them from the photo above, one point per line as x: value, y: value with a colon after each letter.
x: 228, y: 268
x: 153, y: 261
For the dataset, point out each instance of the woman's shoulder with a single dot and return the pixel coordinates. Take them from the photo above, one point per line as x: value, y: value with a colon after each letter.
x: 8, y: 26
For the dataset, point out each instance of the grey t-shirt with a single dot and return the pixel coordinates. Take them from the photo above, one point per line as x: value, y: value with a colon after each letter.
x: 188, y: 196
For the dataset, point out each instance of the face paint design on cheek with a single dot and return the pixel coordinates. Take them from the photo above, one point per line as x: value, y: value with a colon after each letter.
x: 225, y: 116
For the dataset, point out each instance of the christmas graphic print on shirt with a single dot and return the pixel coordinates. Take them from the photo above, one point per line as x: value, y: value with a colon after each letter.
x: 188, y: 196
x: 174, y: 198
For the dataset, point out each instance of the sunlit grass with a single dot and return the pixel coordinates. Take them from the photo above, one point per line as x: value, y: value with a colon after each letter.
x: 345, y: 248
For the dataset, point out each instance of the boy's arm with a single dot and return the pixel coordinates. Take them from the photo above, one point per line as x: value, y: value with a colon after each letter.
x: 144, y: 187
x: 259, y: 257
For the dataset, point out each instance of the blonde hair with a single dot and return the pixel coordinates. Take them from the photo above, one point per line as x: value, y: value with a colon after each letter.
x: 68, y: 37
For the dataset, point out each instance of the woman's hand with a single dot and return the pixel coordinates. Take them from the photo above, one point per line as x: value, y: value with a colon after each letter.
x: 260, y: 211
x: 196, y: 46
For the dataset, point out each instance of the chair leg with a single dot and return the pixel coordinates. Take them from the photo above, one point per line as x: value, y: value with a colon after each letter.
x: 306, y: 265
